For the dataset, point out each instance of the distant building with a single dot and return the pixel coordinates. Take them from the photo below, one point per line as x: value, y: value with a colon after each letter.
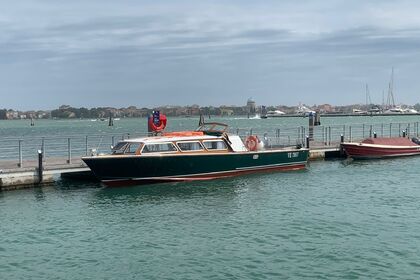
x: 251, y: 106
x: 226, y: 112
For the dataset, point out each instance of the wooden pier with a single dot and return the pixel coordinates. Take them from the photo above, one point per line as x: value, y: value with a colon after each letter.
x: 57, y: 169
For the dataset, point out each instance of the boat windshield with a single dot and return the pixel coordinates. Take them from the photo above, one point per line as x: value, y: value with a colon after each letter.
x: 119, y: 148
x: 213, y: 128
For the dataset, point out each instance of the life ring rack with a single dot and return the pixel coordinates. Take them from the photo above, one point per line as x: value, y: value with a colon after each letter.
x: 161, y: 126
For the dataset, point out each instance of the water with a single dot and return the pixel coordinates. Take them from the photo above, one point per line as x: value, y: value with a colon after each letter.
x: 336, y: 220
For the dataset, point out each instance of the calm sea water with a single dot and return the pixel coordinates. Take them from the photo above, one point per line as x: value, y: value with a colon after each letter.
x: 336, y: 220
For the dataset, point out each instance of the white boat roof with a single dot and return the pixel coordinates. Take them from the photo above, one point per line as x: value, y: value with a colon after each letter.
x: 163, y: 139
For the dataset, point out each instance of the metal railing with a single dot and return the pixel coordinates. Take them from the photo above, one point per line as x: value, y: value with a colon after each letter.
x: 16, y: 152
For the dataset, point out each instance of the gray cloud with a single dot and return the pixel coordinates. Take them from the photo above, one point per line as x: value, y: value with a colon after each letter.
x: 207, y: 54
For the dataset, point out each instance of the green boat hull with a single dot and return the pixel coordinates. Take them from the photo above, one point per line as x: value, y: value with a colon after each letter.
x: 134, y: 170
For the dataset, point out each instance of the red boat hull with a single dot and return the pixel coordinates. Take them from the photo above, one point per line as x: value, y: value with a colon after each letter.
x: 371, y: 151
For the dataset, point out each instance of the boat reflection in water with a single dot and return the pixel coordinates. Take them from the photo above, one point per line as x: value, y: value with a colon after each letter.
x: 210, y: 152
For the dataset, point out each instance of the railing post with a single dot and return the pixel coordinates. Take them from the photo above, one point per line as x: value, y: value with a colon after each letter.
x: 113, y: 140
x: 87, y: 145
x: 382, y: 130
x: 370, y: 132
x: 408, y: 129
x: 68, y: 150
x: 399, y: 130
x: 404, y: 133
x: 374, y: 135
x: 341, y: 138
x: 43, y: 147
x: 20, y: 164
x: 350, y: 134
x: 363, y: 136
x: 307, y: 141
x: 390, y: 130
x: 298, y: 133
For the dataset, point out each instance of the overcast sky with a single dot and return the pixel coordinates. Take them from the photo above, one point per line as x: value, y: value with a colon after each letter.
x: 149, y: 53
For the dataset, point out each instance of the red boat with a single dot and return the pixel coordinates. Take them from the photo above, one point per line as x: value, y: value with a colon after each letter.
x: 373, y: 148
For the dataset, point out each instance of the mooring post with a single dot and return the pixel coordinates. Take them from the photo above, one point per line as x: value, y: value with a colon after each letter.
x: 403, y: 133
x: 307, y: 141
x: 341, y: 146
x: 311, y: 126
x: 20, y: 164
x: 43, y: 146
x: 329, y: 142
x: 113, y: 140
x: 68, y: 150
x: 40, y: 167
x: 374, y: 134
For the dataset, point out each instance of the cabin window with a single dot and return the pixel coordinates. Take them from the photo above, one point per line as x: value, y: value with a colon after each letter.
x: 132, y: 148
x: 190, y: 146
x: 158, y: 148
x: 215, y: 145
x: 119, y: 148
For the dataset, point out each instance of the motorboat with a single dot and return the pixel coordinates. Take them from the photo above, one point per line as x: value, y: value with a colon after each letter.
x: 274, y: 114
x: 209, y: 152
x: 374, y: 148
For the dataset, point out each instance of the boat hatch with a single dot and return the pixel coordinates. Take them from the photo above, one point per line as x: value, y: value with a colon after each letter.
x: 159, y: 148
x: 213, y: 128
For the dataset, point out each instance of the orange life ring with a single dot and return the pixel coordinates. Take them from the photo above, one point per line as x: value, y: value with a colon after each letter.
x: 161, y: 126
x: 251, y: 143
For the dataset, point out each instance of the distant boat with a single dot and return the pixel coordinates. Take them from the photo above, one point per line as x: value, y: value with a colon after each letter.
x: 304, y: 111
x: 395, y: 110
x: 410, y: 111
x: 359, y: 112
x: 274, y: 114
x: 116, y: 119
